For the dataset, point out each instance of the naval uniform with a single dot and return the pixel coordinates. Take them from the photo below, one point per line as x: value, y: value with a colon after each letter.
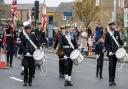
x: 67, y: 49
x: 28, y: 61
x: 59, y: 53
x: 112, y: 47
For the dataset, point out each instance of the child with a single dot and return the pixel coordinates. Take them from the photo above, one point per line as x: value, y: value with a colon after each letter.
x: 99, y: 50
x: 90, y: 44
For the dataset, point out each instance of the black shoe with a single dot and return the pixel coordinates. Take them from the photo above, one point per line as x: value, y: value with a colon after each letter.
x: 110, y: 84
x: 101, y: 77
x: 22, y: 73
x: 11, y: 65
x: 29, y: 84
x: 114, y: 83
x: 66, y: 83
x: 96, y: 75
x: 69, y: 83
x: 61, y: 76
x: 25, y: 84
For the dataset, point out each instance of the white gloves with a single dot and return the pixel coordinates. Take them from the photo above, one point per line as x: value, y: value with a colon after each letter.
x: 110, y: 53
x: 28, y: 54
x: 97, y: 56
x: 41, y: 48
x: 125, y: 44
x: 65, y: 57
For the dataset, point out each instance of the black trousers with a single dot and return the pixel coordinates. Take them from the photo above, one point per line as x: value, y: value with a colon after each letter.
x: 61, y: 65
x: 9, y: 58
x: 68, y: 66
x: 29, y: 68
x: 99, y: 69
x: 112, y: 68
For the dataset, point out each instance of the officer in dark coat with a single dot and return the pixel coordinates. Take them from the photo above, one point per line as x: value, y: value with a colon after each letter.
x: 111, y: 48
x: 67, y: 49
x: 28, y: 50
x: 40, y: 35
x: 99, y: 50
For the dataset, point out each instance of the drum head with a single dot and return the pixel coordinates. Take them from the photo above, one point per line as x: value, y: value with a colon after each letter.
x: 75, y: 54
x: 38, y: 54
x: 120, y: 53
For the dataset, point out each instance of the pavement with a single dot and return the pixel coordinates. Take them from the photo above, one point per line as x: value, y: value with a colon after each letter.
x: 83, y: 76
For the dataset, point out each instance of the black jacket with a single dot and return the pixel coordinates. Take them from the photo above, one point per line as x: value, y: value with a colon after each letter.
x: 64, y: 42
x: 26, y: 46
x: 40, y: 36
x: 110, y: 44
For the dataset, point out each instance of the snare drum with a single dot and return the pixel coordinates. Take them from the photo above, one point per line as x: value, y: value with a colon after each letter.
x: 76, y: 57
x: 38, y: 55
x: 121, y: 55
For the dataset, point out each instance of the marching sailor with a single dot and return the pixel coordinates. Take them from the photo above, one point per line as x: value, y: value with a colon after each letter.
x: 111, y: 46
x: 27, y: 50
x: 68, y: 44
x: 58, y: 52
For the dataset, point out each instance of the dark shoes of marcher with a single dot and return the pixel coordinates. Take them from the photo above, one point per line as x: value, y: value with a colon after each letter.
x: 68, y: 83
x: 29, y: 84
x: 112, y: 83
x: 61, y: 76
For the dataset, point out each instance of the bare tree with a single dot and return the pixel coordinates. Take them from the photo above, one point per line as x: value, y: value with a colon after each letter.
x: 86, y: 10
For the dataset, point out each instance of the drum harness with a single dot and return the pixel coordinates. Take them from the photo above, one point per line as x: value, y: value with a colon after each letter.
x: 122, y: 64
x: 43, y: 70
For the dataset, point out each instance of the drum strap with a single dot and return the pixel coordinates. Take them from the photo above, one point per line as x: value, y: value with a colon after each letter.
x: 29, y: 39
x: 69, y: 41
x: 114, y: 39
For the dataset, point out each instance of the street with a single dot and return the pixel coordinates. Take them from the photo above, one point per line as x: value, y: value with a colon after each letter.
x: 83, y: 77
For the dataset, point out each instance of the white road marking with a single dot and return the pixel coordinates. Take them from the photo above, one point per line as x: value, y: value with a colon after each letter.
x: 17, y: 79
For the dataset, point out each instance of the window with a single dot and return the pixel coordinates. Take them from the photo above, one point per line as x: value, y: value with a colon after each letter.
x: 97, y: 2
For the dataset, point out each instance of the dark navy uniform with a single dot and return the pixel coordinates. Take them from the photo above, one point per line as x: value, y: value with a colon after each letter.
x: 59, y: 53
x: 112, y: 47
x: 28, y: 61
x: 99, y: 50
x: 40, y: 36
x: 67, y: 49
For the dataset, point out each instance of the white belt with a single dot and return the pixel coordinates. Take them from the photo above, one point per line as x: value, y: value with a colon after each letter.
x: 67, y: 47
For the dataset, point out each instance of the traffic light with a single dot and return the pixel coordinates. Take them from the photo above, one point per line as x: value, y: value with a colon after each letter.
x: 36, y: 9
x: 33, y: 11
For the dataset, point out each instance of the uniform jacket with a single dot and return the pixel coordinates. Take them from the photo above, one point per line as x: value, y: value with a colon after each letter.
x: 64, y: 42
x: 40, y: 36
x: 110, y: 44
x: 26, y: 45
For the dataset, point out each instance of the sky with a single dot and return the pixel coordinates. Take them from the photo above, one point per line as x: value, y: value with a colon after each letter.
x: 51, y: 3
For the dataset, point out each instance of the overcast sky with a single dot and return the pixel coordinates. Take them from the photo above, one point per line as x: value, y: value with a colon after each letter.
x: 48, y: 2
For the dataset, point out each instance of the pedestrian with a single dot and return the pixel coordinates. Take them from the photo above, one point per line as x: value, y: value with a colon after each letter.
x: 59, y: 53
x: 111, y: 46
x: 125, y: 38
x: 98, y: 31
x: 99, y: 51
x: 90, y: 44
x: 68, y: 44
x: 10, y: 38
x: 28, y: 50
